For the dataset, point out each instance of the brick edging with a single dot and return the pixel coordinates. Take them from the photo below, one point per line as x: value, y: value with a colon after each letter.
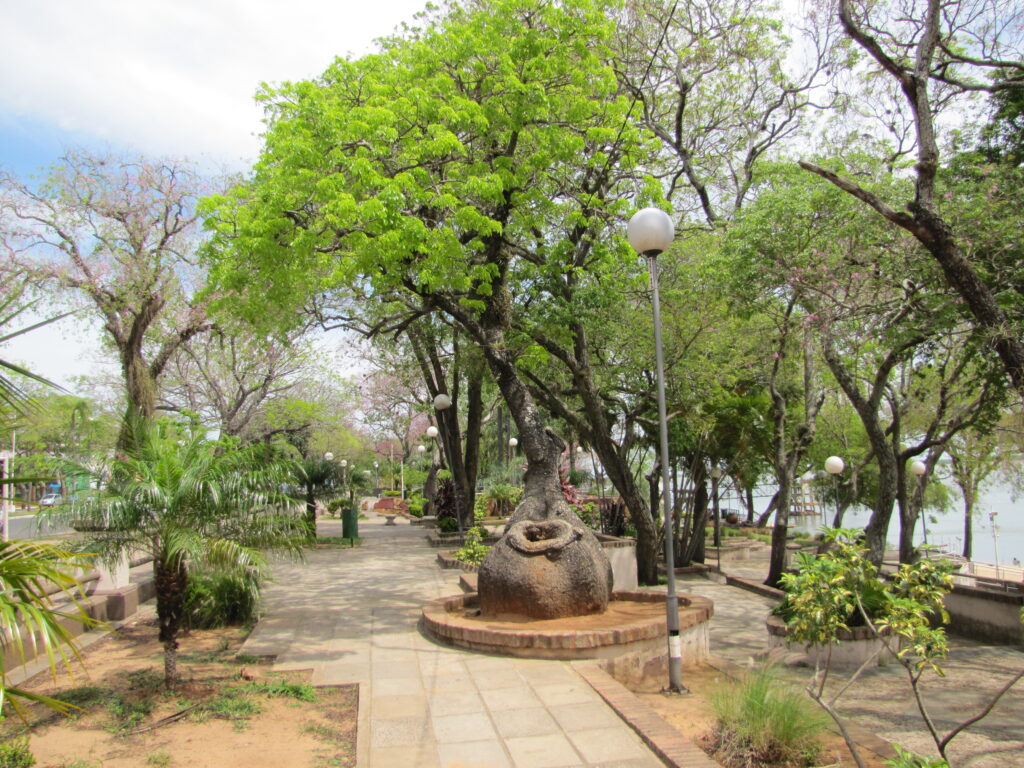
x: 755, y: 586
x: 674, y: 749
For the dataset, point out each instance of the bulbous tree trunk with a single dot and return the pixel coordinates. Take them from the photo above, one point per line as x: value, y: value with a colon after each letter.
x: 548, y: 564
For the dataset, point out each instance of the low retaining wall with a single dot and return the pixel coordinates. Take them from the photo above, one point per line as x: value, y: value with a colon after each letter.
x: 856, y: 645
x: 986, y: 615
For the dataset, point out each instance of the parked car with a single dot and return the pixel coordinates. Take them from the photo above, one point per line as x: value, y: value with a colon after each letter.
x: 50, y: 499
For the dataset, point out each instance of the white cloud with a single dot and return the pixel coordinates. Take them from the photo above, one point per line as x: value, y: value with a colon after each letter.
x: 174, y: 78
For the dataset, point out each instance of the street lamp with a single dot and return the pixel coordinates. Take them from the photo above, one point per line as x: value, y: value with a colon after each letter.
x: 376, y: 477
x: 431, y: 431
x: 716, y: 475
x: 650, y: 232
x: 442, y: 402
x: 512, y: 443
x: 918, y: 468
x: 329, y: 456
x: 835, y: 466
x: 421, y: 449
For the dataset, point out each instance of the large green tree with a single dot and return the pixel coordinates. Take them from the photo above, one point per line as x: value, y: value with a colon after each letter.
x: 463, y: 165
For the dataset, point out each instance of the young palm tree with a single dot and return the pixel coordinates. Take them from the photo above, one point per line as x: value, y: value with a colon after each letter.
x: 191, y: 504
x: 318, y: 478
x: 30, y: 570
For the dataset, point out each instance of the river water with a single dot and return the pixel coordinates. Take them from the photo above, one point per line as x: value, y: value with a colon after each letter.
x: 947, y: 529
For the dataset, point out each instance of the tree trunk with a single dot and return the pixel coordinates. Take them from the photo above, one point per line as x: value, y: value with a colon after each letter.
x: 780, y: 533
x: 171, y: 579
x: 750, y: 504
x: 968, y: 526
x: 140, y: 392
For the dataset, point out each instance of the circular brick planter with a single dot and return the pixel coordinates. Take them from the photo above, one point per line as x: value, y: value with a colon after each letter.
x: 630, y: 636
x: 855, y: 645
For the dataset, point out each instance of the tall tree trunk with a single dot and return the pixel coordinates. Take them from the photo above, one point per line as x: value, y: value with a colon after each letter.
x: 170, y: 581
x: 474, y: 423
x: 749, y: 495
x: 780, y: 533
x: 968, y: 525
x: 310, y: 512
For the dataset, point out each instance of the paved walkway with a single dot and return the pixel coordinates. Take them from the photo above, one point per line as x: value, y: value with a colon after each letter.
x: 351, y: 616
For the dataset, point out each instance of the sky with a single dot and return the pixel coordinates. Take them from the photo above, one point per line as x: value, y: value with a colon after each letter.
x: 168, y: 79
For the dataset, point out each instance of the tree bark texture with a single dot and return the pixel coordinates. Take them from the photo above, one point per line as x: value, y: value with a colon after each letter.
x: 171, y: 579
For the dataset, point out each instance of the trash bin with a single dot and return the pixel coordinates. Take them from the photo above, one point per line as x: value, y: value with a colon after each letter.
x: 350, y: 523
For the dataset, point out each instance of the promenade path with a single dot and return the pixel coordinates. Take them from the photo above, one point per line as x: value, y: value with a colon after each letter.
x: 351, y: 616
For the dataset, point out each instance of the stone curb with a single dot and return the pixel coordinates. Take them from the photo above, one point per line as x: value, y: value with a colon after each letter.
x: 665, y: 741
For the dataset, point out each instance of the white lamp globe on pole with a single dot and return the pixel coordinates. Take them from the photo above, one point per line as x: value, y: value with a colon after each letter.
x: 442, y: 402
x: 918, y: 468
x: 650, y: 231
x: 329, y: 456
x: 431, y: 431
x: 421, y: 449
x: 512, y: 442
x: 834, y: 465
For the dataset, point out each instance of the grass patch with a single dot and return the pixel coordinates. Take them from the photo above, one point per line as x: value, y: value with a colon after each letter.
x: 300, y: 691
x: 336, y: 542
x: 764, y: 722
x: 160, y: 758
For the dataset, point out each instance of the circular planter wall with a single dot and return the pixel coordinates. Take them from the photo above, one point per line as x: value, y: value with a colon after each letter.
x: 855, y: 646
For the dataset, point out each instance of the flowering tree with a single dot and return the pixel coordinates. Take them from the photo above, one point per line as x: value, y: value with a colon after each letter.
x: 120, y: 234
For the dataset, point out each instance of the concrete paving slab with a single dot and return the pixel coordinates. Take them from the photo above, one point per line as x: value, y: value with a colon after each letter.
x: 601, y: 744
x: 514, y: 723
x: 475, y: 754
x: 551, y: 751
x: 423, y: 705
x: 455, y: 729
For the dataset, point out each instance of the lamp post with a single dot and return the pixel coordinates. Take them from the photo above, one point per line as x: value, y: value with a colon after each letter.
x: 918, y: 468
x: 376, y: 477
x: 835, y: 466
x: 716, y: 475
x: 650, y: 232
x: 512, y: 443
x: 995, y: 539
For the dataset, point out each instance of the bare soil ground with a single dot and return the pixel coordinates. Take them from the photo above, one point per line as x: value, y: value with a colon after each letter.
x: 226, y: 712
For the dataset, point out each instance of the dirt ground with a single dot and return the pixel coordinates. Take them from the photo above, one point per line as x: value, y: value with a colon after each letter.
x: 238, y: 712
x: 693, y: 716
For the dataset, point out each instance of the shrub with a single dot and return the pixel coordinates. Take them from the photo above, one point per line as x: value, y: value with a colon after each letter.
x: 504, y: 497
x: 906, y: 759
x: 218, y: 600
x: 479, y: 508
x: 760, y: 719
x: 16, y: 754
x: 416, y: 504
x: 474, y: 550
x: 447, y: 525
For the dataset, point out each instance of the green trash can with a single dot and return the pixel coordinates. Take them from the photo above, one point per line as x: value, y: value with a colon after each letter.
x: 350, y: 523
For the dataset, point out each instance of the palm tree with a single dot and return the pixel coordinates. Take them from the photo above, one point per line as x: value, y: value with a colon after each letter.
x: 29, y: 573
x: 319, y: 478
x: 32, y: 574
x: 191, y: 504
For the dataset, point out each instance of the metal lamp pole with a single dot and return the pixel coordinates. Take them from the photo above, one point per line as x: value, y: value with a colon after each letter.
x: 918, y: 468
x: 835, y: 466
x: 650, y: 232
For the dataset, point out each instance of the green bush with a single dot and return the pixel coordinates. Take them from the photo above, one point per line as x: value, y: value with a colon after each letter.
x: 416, y: 504
x: 474, y: 550
x: 392, y: 494
x: 219, y: 600
x: 16, y: 754
x: 447, y: 525
x: 337, y: 506
x: 906, y: 759
x: 762, y: 720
